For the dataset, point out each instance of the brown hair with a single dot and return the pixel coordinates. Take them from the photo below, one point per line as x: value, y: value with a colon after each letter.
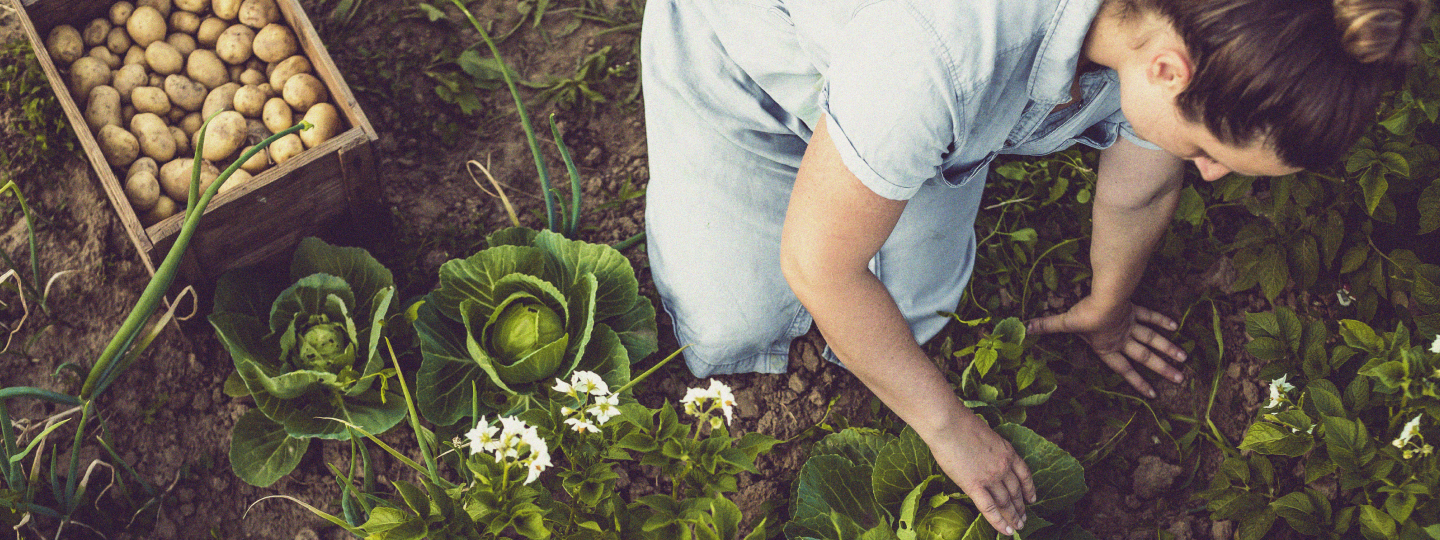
x: 1303, y: 74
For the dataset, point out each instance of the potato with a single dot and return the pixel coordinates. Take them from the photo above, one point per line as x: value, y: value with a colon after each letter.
x: 164, y: 58
x: 209, y: 31
x: 225, y: 9
x: 237, y: 178
x: 149, y: 99
x: 154, y: 136
x: 135, y: 56
x: 111, y: 61
x: 193, y: 6
x: 268, y: 90
x: 287, y: 68
x: 182, y: 141
x: 128, y: 78
x: 183, y: 43
x: 251, y: 77
x: 85, y: 74
x: 103, y: 108
x: 157, y: 80
x: 143, y: 164
x: 225, y: 135
x: 285, y: 148
x: 65, y: 44
x: 233, y: 45
x: 258, y: 14
x: 186, y: 22
x: 118, y: 41
x: 162, y: 6
x: 275, y: 42
x: 206, y: 68
x: 119, y: 146
x: 164, y: 208
x: 146, y: 25
x: 303, y: 91
x: 185, y: 93
x: 258, y: 162
x: 278, y: 115
x: 176, y: 114
x: 95, y: 32
x: 249, y: 100
x: 191, y: 123
x: 175, y: 177
x: 234, y: 72
x: 120, y: 12
x: 255, y: 131
x: 126, y: 113
x: 327, y: 124
x: 143, y: 190
x: 220, y: 99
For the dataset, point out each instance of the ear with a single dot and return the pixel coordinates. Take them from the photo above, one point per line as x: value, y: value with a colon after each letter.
x: 1170, y: 69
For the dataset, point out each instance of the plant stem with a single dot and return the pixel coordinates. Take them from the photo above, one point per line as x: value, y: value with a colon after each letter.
x: 626, y: 243
x: 414, y: 417
x: 34, y: 255
x: 524, y: 118
x: 574, y: 222
x: 652, y: 369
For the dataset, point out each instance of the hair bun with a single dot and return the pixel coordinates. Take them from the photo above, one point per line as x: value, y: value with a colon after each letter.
x: 1381, y: 31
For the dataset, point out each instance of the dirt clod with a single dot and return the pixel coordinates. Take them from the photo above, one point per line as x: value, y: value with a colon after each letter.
x: 1222, y: 530
x: 1153, y: 476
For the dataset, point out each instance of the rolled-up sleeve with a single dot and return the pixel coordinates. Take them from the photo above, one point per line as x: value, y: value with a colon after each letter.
x: 890, y: 100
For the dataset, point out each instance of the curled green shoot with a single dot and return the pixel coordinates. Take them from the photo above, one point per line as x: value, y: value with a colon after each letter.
x: 33, y: 285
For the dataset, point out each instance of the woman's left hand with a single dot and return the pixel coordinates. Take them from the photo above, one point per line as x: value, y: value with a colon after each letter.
x: 1120, y: 338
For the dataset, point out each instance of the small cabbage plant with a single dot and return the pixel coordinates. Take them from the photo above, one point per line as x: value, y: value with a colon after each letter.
x: 866, y: 484
x: 308, y: 354
x: 533, y: 307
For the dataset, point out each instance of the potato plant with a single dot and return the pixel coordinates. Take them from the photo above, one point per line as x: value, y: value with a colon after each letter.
x: 147, y: 73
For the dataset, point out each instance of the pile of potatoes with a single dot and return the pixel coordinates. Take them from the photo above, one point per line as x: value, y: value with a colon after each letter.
x: 149, y: 74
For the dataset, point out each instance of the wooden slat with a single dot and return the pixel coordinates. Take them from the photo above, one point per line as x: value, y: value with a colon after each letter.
x: 325, y: 69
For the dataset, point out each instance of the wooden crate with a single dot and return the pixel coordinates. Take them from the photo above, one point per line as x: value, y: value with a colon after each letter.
x: 332, y: 182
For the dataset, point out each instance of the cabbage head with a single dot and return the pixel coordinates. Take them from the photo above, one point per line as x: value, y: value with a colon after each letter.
x: 304, y: 352
x: 531, y: 308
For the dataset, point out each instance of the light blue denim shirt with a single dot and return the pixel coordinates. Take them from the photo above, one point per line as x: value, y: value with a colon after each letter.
x: 923, y: 91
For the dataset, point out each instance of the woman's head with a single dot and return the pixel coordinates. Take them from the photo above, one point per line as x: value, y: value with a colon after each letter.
x: 1300, y: 77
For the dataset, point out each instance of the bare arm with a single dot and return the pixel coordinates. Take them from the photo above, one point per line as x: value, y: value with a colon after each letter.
x: 833, y: 226
x: 1135, y: 198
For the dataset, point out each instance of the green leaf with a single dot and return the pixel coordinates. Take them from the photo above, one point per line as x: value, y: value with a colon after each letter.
x: 1191, y: 208
x: 1305, y: 256
x: 1267, y: 349
x: 1347, y: 442
x: 447, y: 374
x: 475, y: 278
x: 1255, y: 526
x: 1429, y: 205
x: 1360, y: 336
x: 1059, y: 478
x: 1376, y: 524
x: 242, y: 292
x: 899, y: 466
x: 831, y: 485
x: 1267, y: 438
x: 1374, y: 185
x: 1400, y: 504
x: 1326, y: 398
x: 260, y: 451
x: 1264, y: 324
x: 1332, y: 234
x: 1396, y: 163
x: 1299, y: 512
x: 365, y: 275
x: 859, y: 445
x: 1274, y: 271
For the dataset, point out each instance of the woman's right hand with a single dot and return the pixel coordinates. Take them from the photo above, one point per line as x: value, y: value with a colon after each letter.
x: 987, y: 468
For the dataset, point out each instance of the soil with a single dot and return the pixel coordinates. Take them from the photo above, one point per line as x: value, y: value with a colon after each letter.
x: 169, y: 419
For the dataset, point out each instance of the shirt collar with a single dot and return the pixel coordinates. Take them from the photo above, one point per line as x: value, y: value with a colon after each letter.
x: 1059, y: 52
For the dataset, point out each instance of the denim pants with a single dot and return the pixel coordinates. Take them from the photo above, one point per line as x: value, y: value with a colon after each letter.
x: 724, y: 148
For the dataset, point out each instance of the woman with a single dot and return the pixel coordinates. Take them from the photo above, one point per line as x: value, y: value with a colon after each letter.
x: 824, y: 159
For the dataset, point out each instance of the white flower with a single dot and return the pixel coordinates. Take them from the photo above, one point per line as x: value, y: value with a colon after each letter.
x: 1426, y: 450
x: 1435, y: 347
x: 482, y: 438
x: 567, y: 411
x: 1278, y: 389
x: 695, y: 395
x: 1343, y: 297
x: 605, y: 408
x: 580, y: 425
x: 590, y: 383
x: 539, y: 461
x: 1412, y: 428
x: 722, y: 395
x: 563, y: 387
x: 1397, y: 443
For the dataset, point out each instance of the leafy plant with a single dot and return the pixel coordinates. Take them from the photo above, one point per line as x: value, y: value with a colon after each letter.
x: 1364, y: 464
x: 308, y: 356
x: 1000, y: 380
x: 862, y: 483
x: 37, y: 131
x: 530, y: 308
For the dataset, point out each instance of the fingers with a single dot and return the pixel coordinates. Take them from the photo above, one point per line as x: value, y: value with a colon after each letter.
x: 1121, y: 365
x: 1150, y: 338
x: 1027, y: 484
x: 1053, y: 324
x: 1155, y: 318
x: 1138, y: 352
x: 995, y: 504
